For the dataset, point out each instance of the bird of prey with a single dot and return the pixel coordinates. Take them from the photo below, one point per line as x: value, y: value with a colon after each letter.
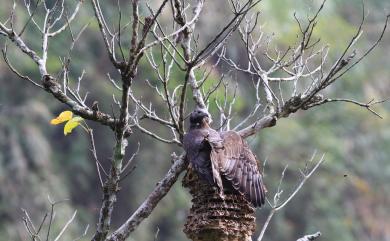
x: 223, y: 158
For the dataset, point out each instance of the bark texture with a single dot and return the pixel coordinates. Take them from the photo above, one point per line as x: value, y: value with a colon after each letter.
x: 214, y: 219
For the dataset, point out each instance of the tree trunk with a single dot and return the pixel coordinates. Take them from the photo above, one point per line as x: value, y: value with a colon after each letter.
x: 214, y: 219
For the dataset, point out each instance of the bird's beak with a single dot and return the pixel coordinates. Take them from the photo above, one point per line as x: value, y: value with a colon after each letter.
x: 209, y: 120
x: 205, y: 114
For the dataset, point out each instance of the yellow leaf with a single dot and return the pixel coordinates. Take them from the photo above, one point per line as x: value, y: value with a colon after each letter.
x: 71, y: 124
x: 64, y: 116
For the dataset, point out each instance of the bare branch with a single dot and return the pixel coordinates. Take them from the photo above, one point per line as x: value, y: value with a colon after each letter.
x: 310, y: 237
x: 53, y: 204
x: 69, y: 20
x: 267, y: 121
x: 29, y: 225
x: 276, y: 206
x: 23, y: 47
x: 53, y: 87
x: 66, y: 226
x: 367, y: 105
x: 306, y: 176
x: 15, y: 71
x: 104, y: 31
x: 131, y: 158
x: 31, y: 18
x: 368, y: 51
x: 146, y: 208
x: 226, y: 31
x: 94, y: 154
x: 82, y: 235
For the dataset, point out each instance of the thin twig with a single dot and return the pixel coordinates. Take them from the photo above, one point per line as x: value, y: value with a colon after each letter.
x: 66, y: 226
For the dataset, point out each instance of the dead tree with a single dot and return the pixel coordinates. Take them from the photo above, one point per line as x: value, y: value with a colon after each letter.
x: 285, y: 81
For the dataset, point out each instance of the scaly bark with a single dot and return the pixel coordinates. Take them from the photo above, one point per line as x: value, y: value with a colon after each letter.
x: 214, y: 219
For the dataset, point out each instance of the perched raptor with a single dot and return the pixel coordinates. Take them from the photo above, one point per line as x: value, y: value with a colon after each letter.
x: 223, y: 158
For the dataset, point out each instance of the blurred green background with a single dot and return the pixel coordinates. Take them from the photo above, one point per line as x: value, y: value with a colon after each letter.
x: 348, y: 199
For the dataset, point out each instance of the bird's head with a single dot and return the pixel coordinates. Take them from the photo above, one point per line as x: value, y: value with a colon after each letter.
x: 200, y: 118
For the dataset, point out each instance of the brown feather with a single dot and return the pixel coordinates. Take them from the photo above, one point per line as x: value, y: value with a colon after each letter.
x: 244, y: 178
x: 240, y: 166
x: 231, y: 157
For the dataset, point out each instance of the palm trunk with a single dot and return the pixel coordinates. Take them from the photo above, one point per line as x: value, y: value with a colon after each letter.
x: 214, y: 219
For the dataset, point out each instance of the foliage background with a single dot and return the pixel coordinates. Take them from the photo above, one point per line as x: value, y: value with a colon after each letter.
x: 348, y: 199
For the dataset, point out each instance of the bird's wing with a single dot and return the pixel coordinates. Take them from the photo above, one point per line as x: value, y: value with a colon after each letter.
x: 239, y: 165
x: 216, y: 157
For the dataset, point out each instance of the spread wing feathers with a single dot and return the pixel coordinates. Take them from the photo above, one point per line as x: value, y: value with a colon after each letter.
x: 237, y: 163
